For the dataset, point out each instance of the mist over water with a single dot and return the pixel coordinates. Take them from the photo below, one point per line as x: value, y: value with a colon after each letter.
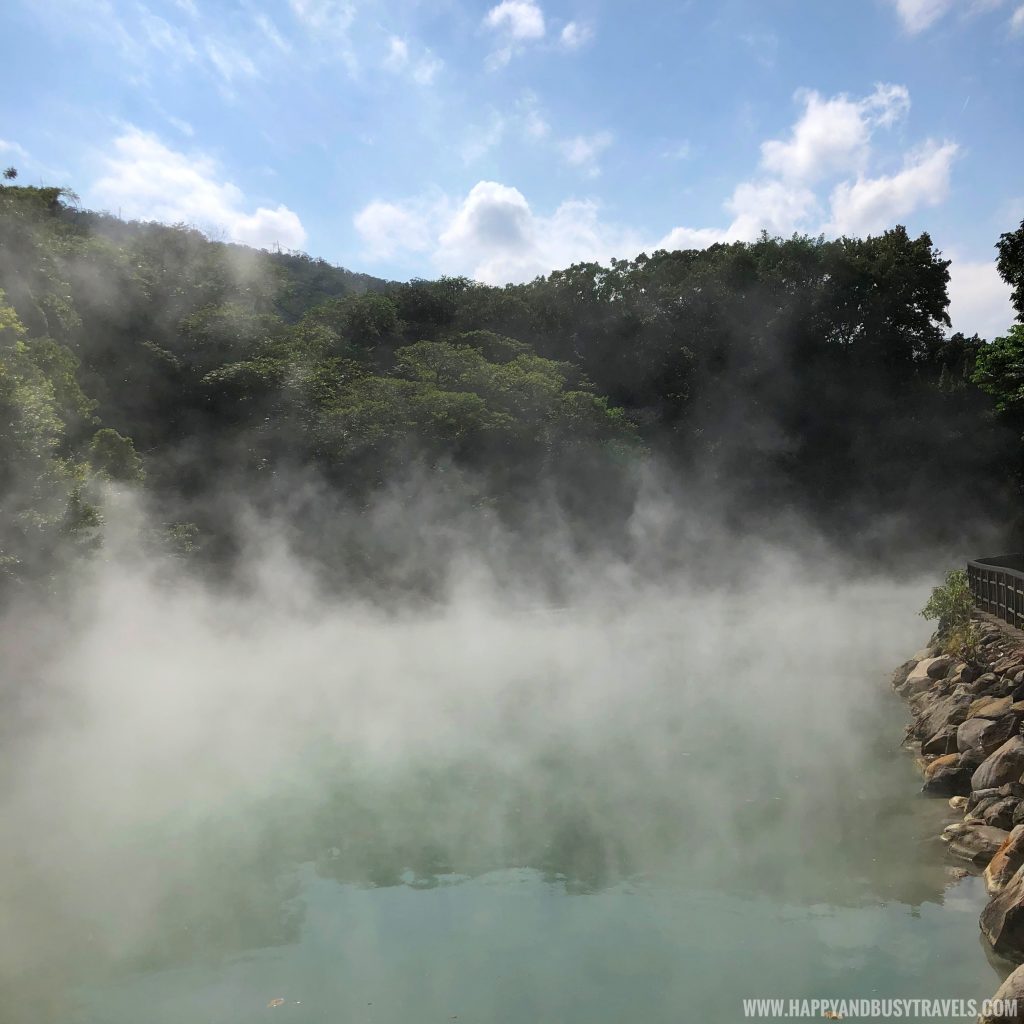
x: 201, y: 776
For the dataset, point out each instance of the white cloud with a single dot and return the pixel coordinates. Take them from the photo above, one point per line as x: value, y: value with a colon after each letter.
x: 148, y: 180
x: 482, y: 140
x: 833, y: 134
x: 398, y: 54
x: 13, y: 148
x: 496, y: 237
x: 327, y: 22
x: 423, y: 70
x: 872, y: 204
x: 182, y: 125
x: 534, y: 124
x: 1017, y: 20
x: 427, y: 69
x: 774, y: 206
x: 678, y: 151
x: 230, y: 62
x: 390, y: 229
x: 517, y: 22
x: 492, y: 234
x: 331, y: 16
x: 270, y: 32
x: 979, y: 299
x: 519, y: 19
x: 917, y: 15
x: 582, y: 151
x: 693, y: 238
x: 574, y: 35
x: 169, y: 40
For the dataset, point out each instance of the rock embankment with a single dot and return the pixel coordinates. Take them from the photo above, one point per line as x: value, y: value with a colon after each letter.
x: 967, y: 726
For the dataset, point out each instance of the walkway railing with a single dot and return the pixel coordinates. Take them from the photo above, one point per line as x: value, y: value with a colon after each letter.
x: 998, y: 586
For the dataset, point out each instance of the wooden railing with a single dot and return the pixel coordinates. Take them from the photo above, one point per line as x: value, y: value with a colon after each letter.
x: 998, y: 586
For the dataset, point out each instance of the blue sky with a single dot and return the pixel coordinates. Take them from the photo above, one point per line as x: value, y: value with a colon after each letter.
x: 502, y: 140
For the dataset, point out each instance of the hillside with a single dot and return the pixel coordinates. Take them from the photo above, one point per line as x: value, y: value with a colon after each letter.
x: 796, y: 380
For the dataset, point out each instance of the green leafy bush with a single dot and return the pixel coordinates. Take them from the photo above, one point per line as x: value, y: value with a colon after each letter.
x: 952, y: 604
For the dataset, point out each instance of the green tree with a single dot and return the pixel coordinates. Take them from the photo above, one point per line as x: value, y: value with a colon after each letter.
x: 114, y: 457
x: 1011, y: 265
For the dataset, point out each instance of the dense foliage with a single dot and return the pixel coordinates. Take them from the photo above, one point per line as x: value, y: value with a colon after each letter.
x: 950, y: 606
x: 787, y: 377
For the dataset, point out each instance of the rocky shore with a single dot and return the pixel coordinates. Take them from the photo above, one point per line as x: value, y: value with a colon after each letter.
x: 968, y: 737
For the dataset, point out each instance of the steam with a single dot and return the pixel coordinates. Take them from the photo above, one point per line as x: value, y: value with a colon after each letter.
x: 173, y: 743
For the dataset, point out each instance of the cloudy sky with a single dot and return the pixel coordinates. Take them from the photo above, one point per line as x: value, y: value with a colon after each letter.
x: 418, y: 137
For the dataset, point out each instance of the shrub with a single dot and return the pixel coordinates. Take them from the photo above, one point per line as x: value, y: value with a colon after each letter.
x: 962, y: 641
x: 951, y: 604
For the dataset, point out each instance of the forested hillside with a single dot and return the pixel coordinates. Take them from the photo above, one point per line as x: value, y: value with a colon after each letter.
x: 798, y: 378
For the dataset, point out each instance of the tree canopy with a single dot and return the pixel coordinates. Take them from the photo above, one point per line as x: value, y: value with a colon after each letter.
x: 790, y: 376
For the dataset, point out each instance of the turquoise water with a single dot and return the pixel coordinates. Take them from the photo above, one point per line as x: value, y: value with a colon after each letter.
x: 495, y: 820
x: 847, y: 896
x: 513, y: 947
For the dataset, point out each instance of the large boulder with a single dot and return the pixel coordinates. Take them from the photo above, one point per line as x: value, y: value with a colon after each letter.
x: 899, y: 677
x: 951, y: 710
x: 974, y: 843
x: 984, y: 682
x: 1003, y: 765
x: 916, y: 678
x: 943, y: 742
x: 980, y: 737
x: 938, y: 667
x: 989, y: 706
x: 1006, y: 861
x: 1002, y: 920
x: 948, y: 775
x: 1000, y: 812
x: 923, y: 675
x: 1009, y: 994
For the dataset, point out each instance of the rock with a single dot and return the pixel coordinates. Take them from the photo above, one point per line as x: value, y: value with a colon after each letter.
x: 943, y: 742
x: 982, y: 736
x: 917, y: 679
x: 984, y: 681
x: 950, y: 710
x: 979, y: 796
x: 971, y: 734
x: 924, y: 674
x: 1000, y: 812
x: 899, y: 677
x: 989, y: 707
x: 1006, y: 861
x: 1002, y: 920
x: 1003, y: 765
x: 1011, y: 991
x: 975, y: 843
x: 1007, y: 665
x: 1018, y: 814
x: 969, y: 673
x: 958, y: 803
x: 948, y: 776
